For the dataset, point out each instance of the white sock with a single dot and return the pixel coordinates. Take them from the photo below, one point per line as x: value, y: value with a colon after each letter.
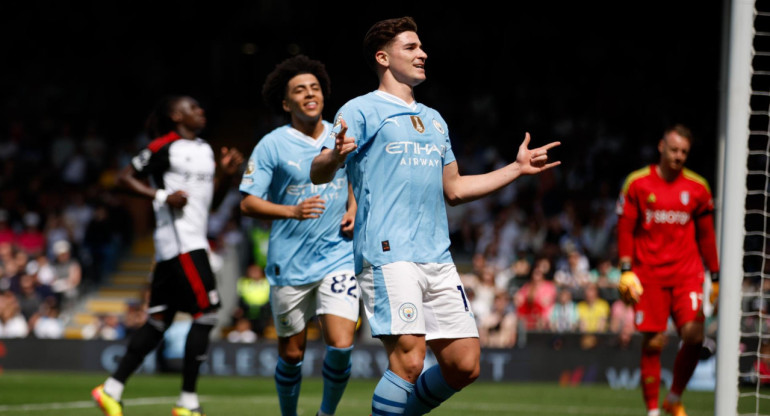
x: 188, y: 400
x: 114, y: 388
x: 655, y: 412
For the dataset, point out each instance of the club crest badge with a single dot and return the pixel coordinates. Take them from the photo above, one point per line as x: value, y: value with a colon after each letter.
x: 407, y: 312
x: 438, y: 126
x: 684, y: 197
x: 417, y: 124
x: 284, y: 321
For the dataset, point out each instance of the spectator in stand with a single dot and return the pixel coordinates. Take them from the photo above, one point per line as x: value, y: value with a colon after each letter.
x: 564, y: 314
x: 12, y: 322
x: 573, y: 274
x: 254, y: 299
x: 593, y: 311
x: 498, y: 327
x: 101, y: 241
x: 242, y: 333
x: 622, y: 322
x: 28, y: 297
x: 516, y: 274
x: 68, y: 273
x: 46, y: 323
x: 597, y: 235
x: 56, y: 229
x: 536, y: 298
x: 7, y: 234
x: 32, y: 240
x: 606, y: 276
x: 485, y: 291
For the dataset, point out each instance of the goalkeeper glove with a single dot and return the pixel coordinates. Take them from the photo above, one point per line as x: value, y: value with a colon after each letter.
x: 629, y: 287
x: 714, y: 295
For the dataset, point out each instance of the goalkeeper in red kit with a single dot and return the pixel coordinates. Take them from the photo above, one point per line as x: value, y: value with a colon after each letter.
x: 665, y: 235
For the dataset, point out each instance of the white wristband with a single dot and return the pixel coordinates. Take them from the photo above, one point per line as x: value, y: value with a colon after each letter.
x: 161, y: 195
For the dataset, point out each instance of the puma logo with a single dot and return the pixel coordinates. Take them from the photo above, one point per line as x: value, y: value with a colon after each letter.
x: 295, y: 164
x: 392, y: 120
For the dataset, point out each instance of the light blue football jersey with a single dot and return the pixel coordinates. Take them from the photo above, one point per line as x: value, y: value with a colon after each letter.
x: 299, y: 252
x: 397, y: 178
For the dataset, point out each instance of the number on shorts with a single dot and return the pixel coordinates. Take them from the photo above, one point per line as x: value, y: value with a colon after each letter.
x: 462, y: 293
x: 339, y: 286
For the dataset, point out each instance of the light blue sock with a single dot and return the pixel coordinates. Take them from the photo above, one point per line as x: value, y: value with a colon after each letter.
x: 288, y: 378
x: 430, y: 390
x: 390, y: 395
x: 336, y: 373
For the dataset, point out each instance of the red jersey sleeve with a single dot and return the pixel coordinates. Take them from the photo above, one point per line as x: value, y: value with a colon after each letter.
x: 628, y: 213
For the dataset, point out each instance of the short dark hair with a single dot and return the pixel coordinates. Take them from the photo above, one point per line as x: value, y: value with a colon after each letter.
x: 381, y: 33
x: 274, y: 88
x: 159, y: 121
x: 679, y: 129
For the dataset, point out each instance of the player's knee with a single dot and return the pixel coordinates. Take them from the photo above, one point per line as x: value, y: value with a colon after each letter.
x: 466, y: 370
x: 292, y: 355
x: 411, y: 365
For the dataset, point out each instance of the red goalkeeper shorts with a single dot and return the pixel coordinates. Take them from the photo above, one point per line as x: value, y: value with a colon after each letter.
x: 683, y: 302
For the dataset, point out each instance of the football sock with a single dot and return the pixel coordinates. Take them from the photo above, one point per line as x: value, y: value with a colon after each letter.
x: 684, y: 365
x: 145, y: 340
x: 114, y: 388
x: 288, y: 378
x: 650, y: 371
x: 430, y: 390
x: 336, y: 373
x: 390, y: 395
x: 188, y: 400
x: 195, y: 349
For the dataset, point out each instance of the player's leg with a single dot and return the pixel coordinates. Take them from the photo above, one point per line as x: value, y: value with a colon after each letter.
x: 652, y: 314
x: 392, y: 298
x: 338, y: 300
x: 688, y: 316
x: 452, y: 336
x: 197, y: 295
x: 146, y: 339
x: 293, y: 307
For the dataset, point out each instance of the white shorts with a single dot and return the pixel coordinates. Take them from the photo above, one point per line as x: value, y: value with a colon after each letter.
x: 293, y: 306
x: 417, y: 298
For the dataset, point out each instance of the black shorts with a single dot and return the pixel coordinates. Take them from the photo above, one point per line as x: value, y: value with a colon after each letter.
x: 185, y: 283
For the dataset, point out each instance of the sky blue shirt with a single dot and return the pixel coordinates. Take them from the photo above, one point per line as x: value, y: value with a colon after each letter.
x: 299, y: 252
x: 397, y: 178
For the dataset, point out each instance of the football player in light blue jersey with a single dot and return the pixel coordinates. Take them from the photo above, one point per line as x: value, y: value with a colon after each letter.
x: 399, y: 160
x: 310, y: 252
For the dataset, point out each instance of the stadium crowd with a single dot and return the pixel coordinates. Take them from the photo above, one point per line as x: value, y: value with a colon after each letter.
x: 540, y: 255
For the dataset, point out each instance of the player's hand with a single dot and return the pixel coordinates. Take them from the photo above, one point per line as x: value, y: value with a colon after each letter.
x: 230, y: 160
x: 348, y: 221
x: 535, y: 160
x: 310, y: 208
x: 630, y: 288
x: 343, y: 145
x: 714, y: 295
x: 177, y: 200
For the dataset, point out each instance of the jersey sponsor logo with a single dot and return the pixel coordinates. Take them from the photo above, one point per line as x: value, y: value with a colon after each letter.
x: 417, y: 124
x: 651, y: 199
x: 666, y: 217
x: 251, y: 166
x: 438, y: 126
x: 684, y: 197
x: 334, y: 188
x: 295, y: 164
x: 407, y: 312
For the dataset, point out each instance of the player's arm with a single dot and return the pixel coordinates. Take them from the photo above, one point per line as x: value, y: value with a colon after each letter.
x: 325, y: 165
x: 707, y: 245
x: 460, y: 189
x: 349, y: 218
x: 629, y: 286
x: 309, y: 208
x: 129, y: 178
x: 229, y: 163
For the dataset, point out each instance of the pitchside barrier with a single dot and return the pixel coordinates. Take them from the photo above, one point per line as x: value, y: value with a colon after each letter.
x: 570, y: 359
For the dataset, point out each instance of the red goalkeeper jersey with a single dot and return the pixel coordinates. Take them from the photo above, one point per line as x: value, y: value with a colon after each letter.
x: 667, y: 228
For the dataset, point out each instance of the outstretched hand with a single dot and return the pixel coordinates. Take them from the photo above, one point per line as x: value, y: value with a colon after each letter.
x: 535, y: 160
x: 343, y: 145
x: 230, y: 160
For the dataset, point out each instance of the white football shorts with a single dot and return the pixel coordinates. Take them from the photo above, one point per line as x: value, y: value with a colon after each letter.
x: 293, y: 306
x: 417, y: 298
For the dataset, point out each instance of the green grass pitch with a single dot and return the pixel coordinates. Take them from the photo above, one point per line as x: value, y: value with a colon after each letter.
x: 24, y: 393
